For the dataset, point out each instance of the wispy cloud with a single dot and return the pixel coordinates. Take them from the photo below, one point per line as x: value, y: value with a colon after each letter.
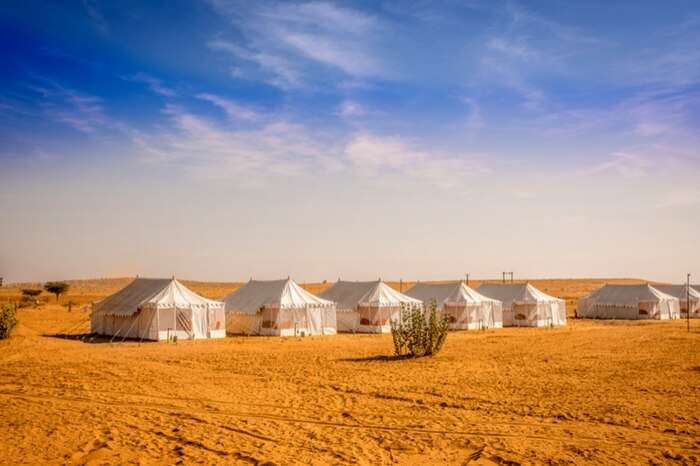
x: 272, y: 149
x: 82, y: 112
x: 661, y: 113
x: 287, y: 40
x: 94, y: 12
x: 277, y: 70
x: 627, y: 165
x: 527, y: 45
x: 351, y: 109
x: 155, y: 84
x: 671, y: 59
x: 234, y: 110
x: 390, y: 157
x: 250, y: 158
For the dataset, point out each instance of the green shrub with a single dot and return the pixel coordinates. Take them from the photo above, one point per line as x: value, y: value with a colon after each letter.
x: 419, y: 332
x: 8, y: 320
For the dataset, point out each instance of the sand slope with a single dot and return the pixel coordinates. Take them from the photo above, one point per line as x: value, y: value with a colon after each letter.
x: 591, y: 392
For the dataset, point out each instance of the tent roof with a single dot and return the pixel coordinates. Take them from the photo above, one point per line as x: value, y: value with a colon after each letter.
x: 679, y: 291
x: 348, y: 295
x: 627, y: 295
x: 152, y: 292
x: 515, y: 292
x: 427, y: 292
x: 454, y: 293
x: 467, y: 295
x: 284, y: 294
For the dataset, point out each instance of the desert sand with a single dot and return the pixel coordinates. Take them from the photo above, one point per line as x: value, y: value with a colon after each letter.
x: 591, y: 392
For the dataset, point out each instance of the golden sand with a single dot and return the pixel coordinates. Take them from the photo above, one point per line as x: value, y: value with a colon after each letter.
x: 594, y: 391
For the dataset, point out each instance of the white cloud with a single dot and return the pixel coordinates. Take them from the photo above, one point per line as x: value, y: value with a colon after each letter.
x: 80, y: 111
x: 234, y: 110
x: 651, y: 115
x: 155, y: 84
x: 285, y: 41
x: 274, y: 150
x: 527, y: 45
x: 625, y: 164
x: 669, y: 60
x: 514, y: 48
x: 280, y: 71
x: 391, y: 157
x: 351, y: 108
x: 250, y: 158
x: 331, y: 51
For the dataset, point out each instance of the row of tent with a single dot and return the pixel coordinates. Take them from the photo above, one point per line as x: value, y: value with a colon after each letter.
x: 629, y: 302
x: 160, y: 309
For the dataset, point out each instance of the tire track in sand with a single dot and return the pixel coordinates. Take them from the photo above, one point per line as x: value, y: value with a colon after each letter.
x: 170, y: 409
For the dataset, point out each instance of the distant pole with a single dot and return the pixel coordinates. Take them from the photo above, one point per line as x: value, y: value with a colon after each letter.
x: 400, y: 285
x: 687, y: 302
x: 467, y: 276
x: 503, y: 274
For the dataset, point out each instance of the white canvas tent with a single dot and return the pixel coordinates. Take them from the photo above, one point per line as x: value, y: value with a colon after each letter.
x: 629, y: 302
x: 367, y: 307
x: 526, y: 306
x: 278, y: 307
x: 157, y: 309
x: 464, y: 307
x: 681, y: 292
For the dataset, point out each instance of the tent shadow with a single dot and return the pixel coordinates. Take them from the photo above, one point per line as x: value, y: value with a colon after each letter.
x: 88, y: 338
x: 380, y: 357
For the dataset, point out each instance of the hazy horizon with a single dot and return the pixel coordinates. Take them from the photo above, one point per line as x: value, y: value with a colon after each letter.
x: 221, y: 140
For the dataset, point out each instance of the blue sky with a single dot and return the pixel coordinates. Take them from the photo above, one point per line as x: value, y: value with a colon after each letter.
x: 223, y: 139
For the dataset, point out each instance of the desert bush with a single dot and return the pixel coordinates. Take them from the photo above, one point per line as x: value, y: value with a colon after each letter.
x: 31, y: 292
x: 26, y: 301
x: 419, y: 332
x: 8, y: 320
x: 29, y: 297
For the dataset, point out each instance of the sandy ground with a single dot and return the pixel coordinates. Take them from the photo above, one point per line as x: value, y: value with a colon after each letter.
x: 598, y: 392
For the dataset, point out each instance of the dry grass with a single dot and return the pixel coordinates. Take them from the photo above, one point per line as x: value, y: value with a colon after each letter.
x: 592, y: 392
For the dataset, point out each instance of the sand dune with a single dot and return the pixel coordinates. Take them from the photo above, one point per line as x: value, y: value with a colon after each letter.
x: 603, y: 392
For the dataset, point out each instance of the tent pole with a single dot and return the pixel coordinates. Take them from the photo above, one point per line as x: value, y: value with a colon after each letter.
x: 116, y: 334
x: 208, y: 322
x: 687, y: 302
x: 149, y: 325
x: 138, y: 328
x: 132, y: 326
